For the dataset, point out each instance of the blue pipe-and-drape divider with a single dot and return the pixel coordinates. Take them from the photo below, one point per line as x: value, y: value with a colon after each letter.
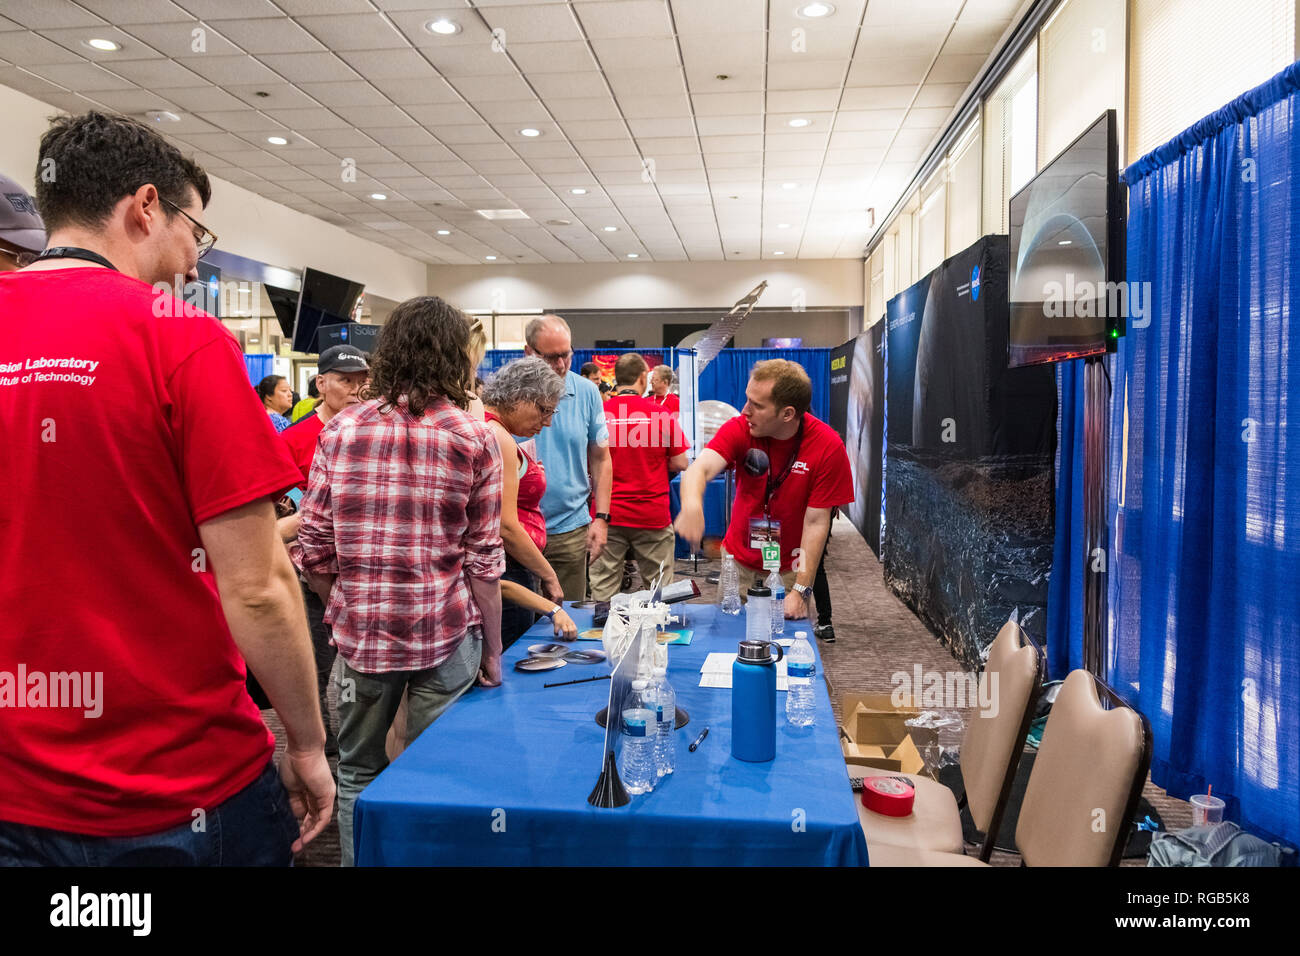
x: 723, y: 379
x: 1204, y: 487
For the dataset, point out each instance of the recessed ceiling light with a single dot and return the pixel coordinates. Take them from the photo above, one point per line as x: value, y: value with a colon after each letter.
x: 784, y: 225
x: 559, y: 222
x: 611, y: 228
x: 1065, y: 242
x: 277, y: 141
x: 530, y: 132
x: 444, y: 232
x: 789, y: 185
x: 490, y: 258
x: 814, y: 11
x: 102, y: 45
x: 799, y: 122
x: 443, y: 27
x: 378, y: 195
x: 632, y: 255
x: 502, y: 213
x: 578, y: 192
x: 778, y: 253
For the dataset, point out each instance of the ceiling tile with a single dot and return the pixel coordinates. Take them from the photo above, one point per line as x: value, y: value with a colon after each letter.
x: 637, y: 53
x: 18, y: 46
x: 517, y: 113
x: 354, y: 31
x: 229, y: 70
x: 590, y: 108
x: 49, y: 14
x: 270, y: 36
x: 542, y: 23
x: 587, y: 83
x: 805, y: 74
x: 895, y: 71
x: 661, y: 127
x: 624, y: 18
x: 154, y: 12
x: 310, y: 67
x: 81, y: 77
x: 457, y: 61
x: 354, y: 93
x: 231, y: 9
x: 892, y: 12
x: 181, y: 39
x: 956, y: 68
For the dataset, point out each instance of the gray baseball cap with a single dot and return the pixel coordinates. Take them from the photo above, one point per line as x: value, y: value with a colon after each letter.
x: 20, y: 224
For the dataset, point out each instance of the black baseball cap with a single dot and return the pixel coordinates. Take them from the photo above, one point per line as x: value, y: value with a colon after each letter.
x: 342, y: 358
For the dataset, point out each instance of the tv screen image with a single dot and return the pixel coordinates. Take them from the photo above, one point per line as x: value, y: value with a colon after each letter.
x: 325, y: 300
x: 1067, y: 254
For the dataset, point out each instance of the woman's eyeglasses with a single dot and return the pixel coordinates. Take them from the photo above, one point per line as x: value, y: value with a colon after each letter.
x: 204, y: 237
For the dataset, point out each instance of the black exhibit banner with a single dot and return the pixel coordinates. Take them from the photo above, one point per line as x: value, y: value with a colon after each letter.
x: 841, y: 363
x: 864, y: 431
x: 967, y: 536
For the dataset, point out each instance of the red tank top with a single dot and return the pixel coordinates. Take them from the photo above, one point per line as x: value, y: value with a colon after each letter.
x: 532, y: 485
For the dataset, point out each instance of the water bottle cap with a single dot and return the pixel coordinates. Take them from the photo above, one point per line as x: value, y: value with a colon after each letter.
x: 639, y: 684
x: 757, y: 590
x: 799, y: 634
x: 661, y: 672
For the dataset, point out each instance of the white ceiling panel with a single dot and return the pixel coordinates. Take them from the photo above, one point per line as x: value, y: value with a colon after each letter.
x: 662, y: 110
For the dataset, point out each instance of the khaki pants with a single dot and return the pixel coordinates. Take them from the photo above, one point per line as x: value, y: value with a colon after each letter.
x: 650, y: 546
x: 567, y: 555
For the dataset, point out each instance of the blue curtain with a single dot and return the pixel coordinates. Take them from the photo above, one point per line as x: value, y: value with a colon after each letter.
x: 1205, y: 487
x: 725, y: 377
x: 1069, y: 562
x: 259, y: 366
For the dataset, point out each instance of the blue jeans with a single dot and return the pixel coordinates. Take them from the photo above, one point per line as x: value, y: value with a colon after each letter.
x: 255, y: 827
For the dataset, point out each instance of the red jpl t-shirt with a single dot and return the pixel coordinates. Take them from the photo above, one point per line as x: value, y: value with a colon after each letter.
x: 301, y: 439
x: 128, y: 421
x: 669, y: 402
x: 819, y: 478
x: 642, y: 437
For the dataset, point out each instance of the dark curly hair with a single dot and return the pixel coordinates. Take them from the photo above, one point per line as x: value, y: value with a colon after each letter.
x: 89, y: 162
x: 422, y: 354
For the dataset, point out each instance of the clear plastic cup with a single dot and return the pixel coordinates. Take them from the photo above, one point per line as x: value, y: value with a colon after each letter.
x: 1206, y: 809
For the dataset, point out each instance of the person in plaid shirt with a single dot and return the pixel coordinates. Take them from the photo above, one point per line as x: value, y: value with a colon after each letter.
x: 401, y: 537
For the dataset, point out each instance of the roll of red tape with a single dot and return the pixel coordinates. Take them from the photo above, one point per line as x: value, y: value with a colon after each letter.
x: 891, y: 796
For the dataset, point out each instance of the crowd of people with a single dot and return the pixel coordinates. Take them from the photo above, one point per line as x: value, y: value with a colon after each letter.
x: 406, y: 518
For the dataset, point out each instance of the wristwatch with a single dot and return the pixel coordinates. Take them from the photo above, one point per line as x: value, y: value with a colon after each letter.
x: 603, y: 516
x: 551, y: 613
x: 802, y: 590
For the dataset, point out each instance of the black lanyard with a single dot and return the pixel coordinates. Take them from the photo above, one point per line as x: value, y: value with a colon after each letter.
x: 75, y: 252
x: 774, y: 484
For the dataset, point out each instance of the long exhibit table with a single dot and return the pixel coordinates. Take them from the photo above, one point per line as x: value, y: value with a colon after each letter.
x: 502, y: 777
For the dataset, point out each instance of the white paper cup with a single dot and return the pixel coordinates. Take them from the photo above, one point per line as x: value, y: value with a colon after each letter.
x: 1206, y: 809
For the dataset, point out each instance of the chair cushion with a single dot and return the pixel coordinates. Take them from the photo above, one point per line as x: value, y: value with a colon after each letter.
x: 881, y: 855
x: 934, y: 824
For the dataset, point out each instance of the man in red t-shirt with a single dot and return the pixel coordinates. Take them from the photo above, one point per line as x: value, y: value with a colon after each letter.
x: 786, y: 493
x: 647, y: 447
x: 341, y: 372
x: 139, y: 563
x: 661, y: 380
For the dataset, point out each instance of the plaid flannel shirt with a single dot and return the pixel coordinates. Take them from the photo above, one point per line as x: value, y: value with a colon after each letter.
x: 402, y: 510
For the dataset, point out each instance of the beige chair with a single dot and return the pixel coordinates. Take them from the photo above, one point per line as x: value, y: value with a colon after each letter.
x: 1084, y: 788
x: 990, y: 755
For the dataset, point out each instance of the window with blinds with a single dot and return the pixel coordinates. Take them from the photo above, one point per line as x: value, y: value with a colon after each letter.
x: 964, y: 193
x: 1010, y: 138
x: 1189, y: 57
x: 1080, y: 72
x: 931, y: 223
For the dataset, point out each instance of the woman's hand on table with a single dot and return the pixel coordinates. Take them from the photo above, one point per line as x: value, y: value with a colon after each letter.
x: 565, y: 629
x: 489, y: 671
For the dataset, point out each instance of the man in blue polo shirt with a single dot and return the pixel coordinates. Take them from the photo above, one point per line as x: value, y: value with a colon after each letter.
x: 574, y: 446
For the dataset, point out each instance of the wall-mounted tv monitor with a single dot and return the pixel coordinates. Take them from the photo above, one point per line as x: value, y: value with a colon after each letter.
x: 324, y: 300
x: 1067, y: 295
x: 285, y: 304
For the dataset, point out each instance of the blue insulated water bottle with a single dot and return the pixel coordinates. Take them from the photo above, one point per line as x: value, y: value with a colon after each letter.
x: 753, y: 701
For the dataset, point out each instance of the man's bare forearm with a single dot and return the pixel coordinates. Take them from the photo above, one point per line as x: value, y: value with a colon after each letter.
x: 487, y: 595
x: 812, y: 543
x: 269, y: 626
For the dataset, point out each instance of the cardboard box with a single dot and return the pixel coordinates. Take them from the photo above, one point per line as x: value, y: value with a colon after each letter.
x: 878, y: 735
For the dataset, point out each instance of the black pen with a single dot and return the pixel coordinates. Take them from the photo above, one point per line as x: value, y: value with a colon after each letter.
x: 699, y: 740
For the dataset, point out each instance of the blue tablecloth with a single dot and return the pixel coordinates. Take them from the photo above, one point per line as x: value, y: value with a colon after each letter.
x: 715, y: 510
x: 502, y: 778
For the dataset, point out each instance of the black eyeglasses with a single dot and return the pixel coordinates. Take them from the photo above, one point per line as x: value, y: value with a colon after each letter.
x: 556, y: 357
x: 205, y: 238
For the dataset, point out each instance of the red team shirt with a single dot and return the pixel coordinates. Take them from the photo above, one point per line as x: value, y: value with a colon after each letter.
x: 819, y: 478
x: 300, y: 437
x: 123, y: 433
x: 642, y: 437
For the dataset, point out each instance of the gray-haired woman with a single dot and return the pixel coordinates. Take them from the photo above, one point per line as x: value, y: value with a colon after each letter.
x: 520, y: 400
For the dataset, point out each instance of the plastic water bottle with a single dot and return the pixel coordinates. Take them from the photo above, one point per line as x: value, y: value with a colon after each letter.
x: 777, y: 587
x: 800, y: 666
x: 729, y: 585
x: 665, y: 710
x: 638, y: 769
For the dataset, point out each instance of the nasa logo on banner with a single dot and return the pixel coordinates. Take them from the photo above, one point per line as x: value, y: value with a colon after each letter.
x: 975, y: 284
